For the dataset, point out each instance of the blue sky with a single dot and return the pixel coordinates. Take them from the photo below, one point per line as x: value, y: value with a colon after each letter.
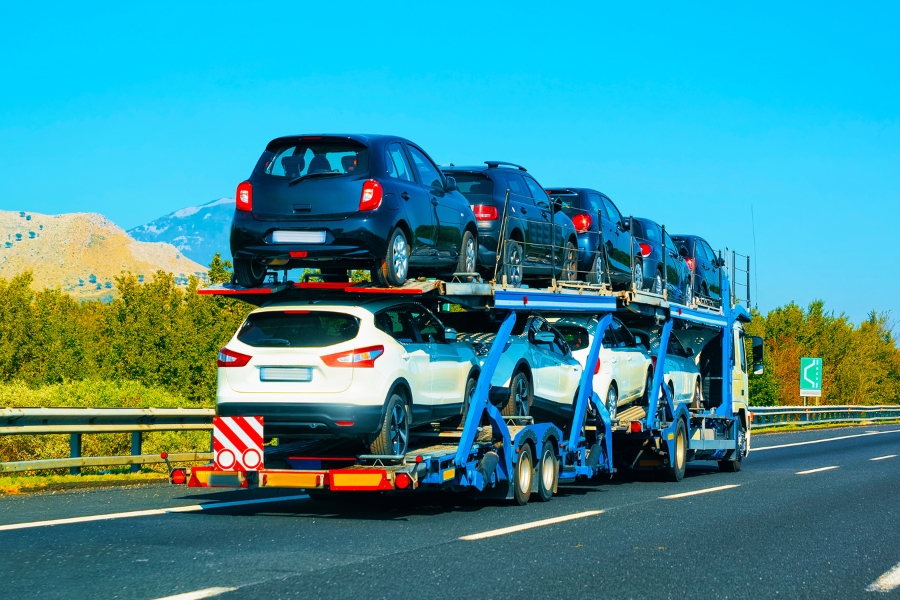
x: 688, y: 115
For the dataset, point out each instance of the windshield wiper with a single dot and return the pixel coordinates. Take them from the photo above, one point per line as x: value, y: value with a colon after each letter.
x: 309, y: 175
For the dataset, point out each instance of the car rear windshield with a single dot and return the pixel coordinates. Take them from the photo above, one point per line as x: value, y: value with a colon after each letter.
x: 298, y: 329
x: 298, y: 158
x: 477, y: 189
x: 577, y: 337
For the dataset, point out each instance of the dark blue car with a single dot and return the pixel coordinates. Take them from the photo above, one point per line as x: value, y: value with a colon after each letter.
x: 707, y: 267
x: 340, y: 202
x: 653, y: 241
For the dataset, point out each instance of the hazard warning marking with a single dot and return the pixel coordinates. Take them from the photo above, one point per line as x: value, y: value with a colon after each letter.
x: 238, y: 443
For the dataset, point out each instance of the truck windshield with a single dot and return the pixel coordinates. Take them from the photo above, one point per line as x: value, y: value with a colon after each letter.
x: 297, y: 329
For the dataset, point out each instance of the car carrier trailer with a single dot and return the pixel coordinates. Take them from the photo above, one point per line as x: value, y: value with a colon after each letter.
x: 516, y: 457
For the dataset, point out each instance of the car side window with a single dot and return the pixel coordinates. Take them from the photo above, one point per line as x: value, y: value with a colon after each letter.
x: 626, y: 336
x: 595, y: 205
x: 614, y: 215
x: 397, y: 165
x: 537, y: 192
x: 429, y: 175
x: 709, y: 252
x: 516, y: 185
x: 397, y: 323
x: 429, y: 327
x: 670, y: 243
x: 675, y: 347
x: 612, y: 339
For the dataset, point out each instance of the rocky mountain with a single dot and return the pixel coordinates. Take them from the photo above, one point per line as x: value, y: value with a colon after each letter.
x: 82, y: 252
x: 197, y: 231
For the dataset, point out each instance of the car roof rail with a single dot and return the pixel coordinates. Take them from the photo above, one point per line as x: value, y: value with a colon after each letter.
x: 493, y: 164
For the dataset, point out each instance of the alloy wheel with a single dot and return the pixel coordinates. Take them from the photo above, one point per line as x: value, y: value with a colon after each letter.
x: 399, y: 429
x: 638, y: 271
x: 514, y: 264
x: 400, y: 257
x: 470, y: 253
x: 521, y: 397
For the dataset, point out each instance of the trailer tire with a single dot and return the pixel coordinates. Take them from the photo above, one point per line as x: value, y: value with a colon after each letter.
x: 393, y: 436
x: 518, y: 404
x: 678, y: 453
x: 734, y: 465
x: 548, y: 472
x: 524, y: 475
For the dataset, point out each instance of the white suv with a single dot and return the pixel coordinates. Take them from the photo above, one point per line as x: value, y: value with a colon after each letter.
x: 624, y: 372
x: 368, y: 370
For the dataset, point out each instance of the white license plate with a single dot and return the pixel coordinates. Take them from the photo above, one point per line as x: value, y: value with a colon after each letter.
x: 298, y: 237
x: 294, y: 374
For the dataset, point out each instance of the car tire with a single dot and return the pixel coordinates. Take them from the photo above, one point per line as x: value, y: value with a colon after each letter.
x: 523, y: 476
x: 393, y: 437
x: 468, y: 254
x: 548, y: 472
x: 637, y: 271
x: 570, y: 263
x: 512, y: 270
x: 648, y: 383
x: 393, y: 270
x: 678, y: 453
x: 468, y: 395
x: 595, y: 275
x: 657, y: 286
x: 612, y: 401
x: 249, y: 273
x: 518, y: 403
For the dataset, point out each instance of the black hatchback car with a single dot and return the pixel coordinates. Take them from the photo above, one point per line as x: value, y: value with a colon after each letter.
x: 339, y: 202
x: 595, y: 215
x: 706, y: 265
x: 649, y: 238
x: 533, y: 225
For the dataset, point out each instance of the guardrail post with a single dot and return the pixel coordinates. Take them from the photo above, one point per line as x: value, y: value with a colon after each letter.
x: 75, y: 451
x: 136, y: 440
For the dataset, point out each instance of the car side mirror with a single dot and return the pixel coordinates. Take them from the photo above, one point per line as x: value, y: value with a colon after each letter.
x: 624, y: 226
x: 544, y: 337
x: 556, y: 204
x: 682, y: 252
x: 450, y: 334
x: 720, y: 262
x: 450, y: 185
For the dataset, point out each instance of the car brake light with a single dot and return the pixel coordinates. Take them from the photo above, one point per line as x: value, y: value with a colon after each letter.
x: 690, y: 263
x: 597, y: 368
x: 361, y: 357
x: 646, y: 249
x: 485, y: 212
x: 230, y: 358
x: 244, y: 196
x: 653, y: 360
x: 582, y: 222
x: 370, y: 199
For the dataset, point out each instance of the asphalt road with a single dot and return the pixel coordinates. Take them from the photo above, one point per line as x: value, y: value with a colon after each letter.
x: 771, y: 530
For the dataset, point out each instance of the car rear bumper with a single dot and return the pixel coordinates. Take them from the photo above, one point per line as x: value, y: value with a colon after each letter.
x: 309, y: 420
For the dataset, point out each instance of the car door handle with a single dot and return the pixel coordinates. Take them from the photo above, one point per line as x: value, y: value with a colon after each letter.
x: 405, y: 356
x: 434, y: 201
x: 615, y: 360
x: 405, y: 195
x: 524, y: 212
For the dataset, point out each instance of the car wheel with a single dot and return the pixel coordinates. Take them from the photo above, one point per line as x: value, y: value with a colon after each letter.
x: 468, y: 395
x: 595, y: 275
x: 671, y: 387
x: 612, y: 401
x: 468, y: 254
x: 512, y: 263
x: 570, y: 263
x: 648, y: 384
x: 524, y: 473
x: 678, y: 453
x: 704, y: 291
x: 657, y: 286
x: 518, y: 404
x: 548, y: 471
x: 637, y: 271
x: 688, y: 296
x: 249, y: 273
x: 394, y: 433
x: 394, y: 269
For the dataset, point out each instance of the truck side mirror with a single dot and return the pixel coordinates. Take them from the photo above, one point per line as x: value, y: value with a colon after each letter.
x: 757, y: 343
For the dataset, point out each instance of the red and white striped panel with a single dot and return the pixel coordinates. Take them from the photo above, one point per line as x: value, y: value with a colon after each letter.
x: 238, y: 443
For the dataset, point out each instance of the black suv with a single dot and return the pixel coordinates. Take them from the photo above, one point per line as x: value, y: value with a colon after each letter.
x: 706, y: 267
x: 597, y: 219
x: 649, y: 237
x: 533, y: 225
x: 339, y: 202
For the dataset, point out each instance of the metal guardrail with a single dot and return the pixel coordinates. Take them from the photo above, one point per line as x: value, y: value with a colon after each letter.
x: 774, y: 416
x: 78, y: 421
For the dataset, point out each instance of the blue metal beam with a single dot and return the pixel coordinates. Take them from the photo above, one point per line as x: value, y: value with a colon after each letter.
x: 658, y: 373
x: 538, y: 300
x: 586, y: 386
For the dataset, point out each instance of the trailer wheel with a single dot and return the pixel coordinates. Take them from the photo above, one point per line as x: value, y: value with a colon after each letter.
x: 548, y: 472
x: 520, y: 397
x: 394, y: 432
x: 523, y: 475
x: 678, y: 453
x: 734, y: 465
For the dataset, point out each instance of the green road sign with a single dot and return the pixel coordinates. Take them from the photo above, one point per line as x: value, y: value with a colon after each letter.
x: 810, y: 376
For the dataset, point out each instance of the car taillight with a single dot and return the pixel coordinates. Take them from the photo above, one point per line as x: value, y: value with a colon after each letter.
x: 485, y: 212
x: 230, y: 358
x: 582, y: 222
x: 597, y: 368
x: 244, y: 196
x: 690, y: 263
x: 361, y: 357
x: 371, y: 196
x: 646, y: 249
x: 653, y: 360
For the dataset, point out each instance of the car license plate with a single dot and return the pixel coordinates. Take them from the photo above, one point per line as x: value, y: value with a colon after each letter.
x: 299, y: 374
x: 298, y: 237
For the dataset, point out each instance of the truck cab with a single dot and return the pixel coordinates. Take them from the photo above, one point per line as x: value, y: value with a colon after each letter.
x: 741, y: 370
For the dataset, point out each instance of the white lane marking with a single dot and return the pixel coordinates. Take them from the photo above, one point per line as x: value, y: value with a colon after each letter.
x: 532, y: 525
x: 819, y: 470
x: 884, y: 457
x: 148, y: 513
x: 207, y: 593
x: 886, y: 582
x: 834, y: 439
x: 698, y: 492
